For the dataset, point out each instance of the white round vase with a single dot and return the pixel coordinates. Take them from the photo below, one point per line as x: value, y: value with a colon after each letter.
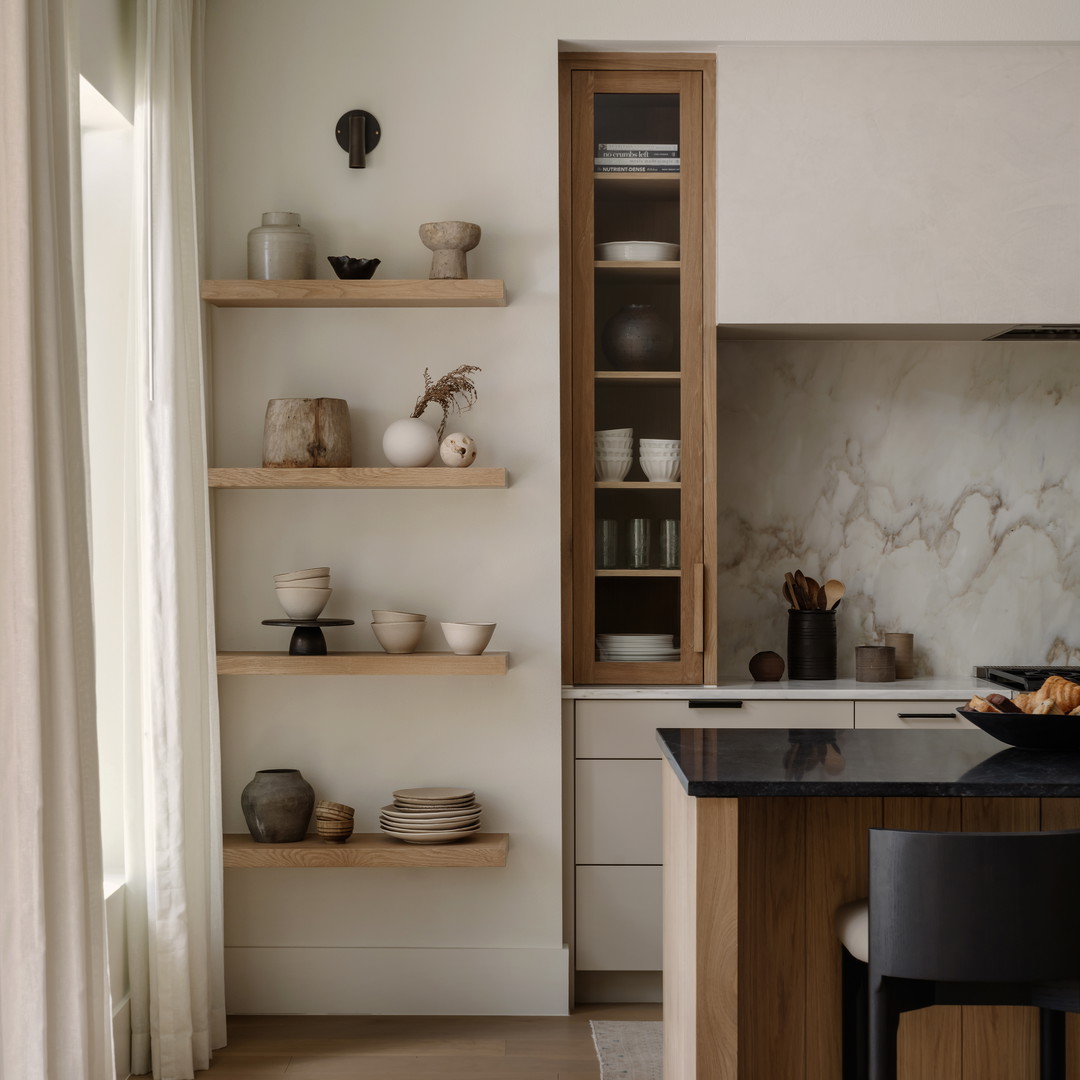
x: 410, y: 443
x: 280, y: 249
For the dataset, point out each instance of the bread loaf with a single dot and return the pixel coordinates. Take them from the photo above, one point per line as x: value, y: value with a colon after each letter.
x: 1064, y: 694
x: 1026, y: 702
x: 980, y: 704
x: 1003, y: 704
x: 1047, y: 708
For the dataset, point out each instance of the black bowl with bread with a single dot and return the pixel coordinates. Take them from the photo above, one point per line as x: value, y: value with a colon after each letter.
x: 1046, y: 719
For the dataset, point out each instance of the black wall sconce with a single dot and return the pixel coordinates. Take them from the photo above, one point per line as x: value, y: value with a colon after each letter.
x: 358, y: 134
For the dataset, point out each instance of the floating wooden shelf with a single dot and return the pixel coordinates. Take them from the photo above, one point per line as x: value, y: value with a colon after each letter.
x: 639, y: 573
x: 484, y: 292
x: 358, y: 478
x: 365, y: 849
x: 641, y: 378
x: 640, y: 485
x: 362, y: 663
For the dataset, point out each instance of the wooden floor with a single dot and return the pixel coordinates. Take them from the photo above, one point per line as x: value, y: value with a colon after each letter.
x: 417, y: 1047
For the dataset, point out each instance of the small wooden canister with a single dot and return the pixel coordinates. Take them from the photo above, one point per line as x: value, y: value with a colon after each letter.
x: 875, y: 663
x: 904, y: 644
x: 307, y: 433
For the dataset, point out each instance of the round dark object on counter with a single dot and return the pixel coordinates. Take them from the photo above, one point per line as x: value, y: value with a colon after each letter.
x: 766, y: 667
x: 638, y: 338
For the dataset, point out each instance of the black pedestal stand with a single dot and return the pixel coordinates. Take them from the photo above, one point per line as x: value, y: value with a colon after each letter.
x: 307, y: 638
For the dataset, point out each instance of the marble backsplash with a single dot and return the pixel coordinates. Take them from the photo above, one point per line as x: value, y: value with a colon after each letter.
x: 939, y: 481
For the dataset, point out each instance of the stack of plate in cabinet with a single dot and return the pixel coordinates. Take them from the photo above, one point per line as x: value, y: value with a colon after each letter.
x: 636, y: 647
x: 431, y: 815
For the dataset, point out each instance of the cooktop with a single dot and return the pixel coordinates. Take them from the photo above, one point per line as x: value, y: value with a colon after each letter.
x: 1025, y: 678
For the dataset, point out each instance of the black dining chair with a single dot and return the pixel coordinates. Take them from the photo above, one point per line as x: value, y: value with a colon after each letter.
x: 961, y: 919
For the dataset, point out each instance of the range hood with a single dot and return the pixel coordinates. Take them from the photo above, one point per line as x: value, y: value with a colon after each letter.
x: 1060, y: 332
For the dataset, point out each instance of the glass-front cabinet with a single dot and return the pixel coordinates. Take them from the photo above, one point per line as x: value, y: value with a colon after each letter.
x: 638, y: 350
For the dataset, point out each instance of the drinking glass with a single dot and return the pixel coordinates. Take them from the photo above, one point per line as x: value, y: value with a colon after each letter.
x: 607, y: 544
x: 638, y: 543
x: 669, y: 544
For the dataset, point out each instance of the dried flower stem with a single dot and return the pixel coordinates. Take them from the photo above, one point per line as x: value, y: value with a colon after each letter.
x: 455, y: 390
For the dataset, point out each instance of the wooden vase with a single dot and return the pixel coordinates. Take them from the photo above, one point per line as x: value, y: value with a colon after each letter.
x: 307, y: 433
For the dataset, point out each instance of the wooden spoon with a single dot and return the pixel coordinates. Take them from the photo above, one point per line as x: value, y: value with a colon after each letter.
x: 813, y: 589
x: 789, y: 596
x: 834, y: 593
x: 789, y: 581
x: 803, y: 592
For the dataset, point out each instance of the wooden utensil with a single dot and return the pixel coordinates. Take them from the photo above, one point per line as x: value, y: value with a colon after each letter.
x: 789, y: 581
x: 789, y: 596
x: 834, y: 593
x: 812, y: 591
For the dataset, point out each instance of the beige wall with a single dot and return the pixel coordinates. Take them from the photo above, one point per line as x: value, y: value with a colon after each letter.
x: 466, y: 95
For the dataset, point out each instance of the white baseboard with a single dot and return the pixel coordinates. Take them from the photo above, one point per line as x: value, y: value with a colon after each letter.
x: 403, y: 982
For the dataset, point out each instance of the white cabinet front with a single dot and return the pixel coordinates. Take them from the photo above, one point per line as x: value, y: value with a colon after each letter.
x: 619, y: 925
x: 909, y: 714
x: 618, y: 812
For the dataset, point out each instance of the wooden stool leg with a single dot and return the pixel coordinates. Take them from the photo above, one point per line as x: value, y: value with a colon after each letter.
x: 884, y: 1021
x: 854, y: 1008
x: 1051, y: 1045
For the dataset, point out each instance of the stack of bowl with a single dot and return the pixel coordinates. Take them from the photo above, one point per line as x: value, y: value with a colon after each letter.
x: 304, y: 593
x: 431, y: 815
x: 398, y: 631
x: 333, y: 821
x: 661, y: 459
x: 614, y: 453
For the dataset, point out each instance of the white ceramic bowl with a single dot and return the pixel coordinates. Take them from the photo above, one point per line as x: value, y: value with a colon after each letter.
x: 636, y: 250
x: 661, y: 455
x: 396, y: 616
x: 303, y: 603
x: 296, y: 575
x: 661, y: 471
x: 305, y: 583
x: 661, y: 444
x: 614, y: 455
x: 398, y: 637
x: 467, y: 638
x: 615, y: 444
x: 612, y: 470
x: 616, y: 433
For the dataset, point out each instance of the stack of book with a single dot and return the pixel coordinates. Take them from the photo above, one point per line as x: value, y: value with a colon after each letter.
x: 636, y: 157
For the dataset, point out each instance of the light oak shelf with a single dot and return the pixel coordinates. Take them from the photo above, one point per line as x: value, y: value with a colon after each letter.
x: 659, y: 270
x: 362, y: 663
x: 358, y: 478
x: 640, y: 485
x: 312, y: 293
x: 639, y: 573
x: 366, y: 850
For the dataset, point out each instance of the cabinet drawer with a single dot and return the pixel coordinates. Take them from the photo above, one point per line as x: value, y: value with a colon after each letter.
x: 627, y: 729
x: 619, y: 925
x: 617, y: 812
x: 909, y: 714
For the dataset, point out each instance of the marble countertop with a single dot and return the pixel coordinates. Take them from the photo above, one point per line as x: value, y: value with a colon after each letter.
x: 725, y: 763
x: 927, y: 689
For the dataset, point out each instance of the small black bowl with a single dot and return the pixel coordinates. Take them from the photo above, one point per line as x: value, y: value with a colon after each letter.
x: 1028, y: 732
x: 345, y: 266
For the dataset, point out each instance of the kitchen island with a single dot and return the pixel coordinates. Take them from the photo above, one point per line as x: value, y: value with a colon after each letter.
x: 765, y: 836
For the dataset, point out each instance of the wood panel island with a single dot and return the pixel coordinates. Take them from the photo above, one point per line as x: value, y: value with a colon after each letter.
x: 765, y: 836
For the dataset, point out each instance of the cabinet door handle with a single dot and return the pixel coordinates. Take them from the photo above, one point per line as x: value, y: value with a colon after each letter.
x: 699, y: 607
x: 717, y: 703
x: 925, y: 716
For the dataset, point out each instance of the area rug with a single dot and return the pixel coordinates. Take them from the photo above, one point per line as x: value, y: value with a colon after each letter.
x: 629, y: 1049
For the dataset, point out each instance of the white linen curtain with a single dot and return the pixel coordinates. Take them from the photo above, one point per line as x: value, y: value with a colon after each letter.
x: 172, y: 797
x: 54, y: 995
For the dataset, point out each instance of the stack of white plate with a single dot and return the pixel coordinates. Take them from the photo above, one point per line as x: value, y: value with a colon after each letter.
x: 636, y: 647
x: 431, y: 815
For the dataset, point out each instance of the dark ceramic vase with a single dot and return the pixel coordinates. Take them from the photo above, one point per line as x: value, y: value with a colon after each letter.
x: 638, y: 338
x: 766, y: 667
x: 277, y: 805
x: 811, y: 645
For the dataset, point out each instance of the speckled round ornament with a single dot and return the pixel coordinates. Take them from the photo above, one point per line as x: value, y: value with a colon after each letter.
x: 458, y: 450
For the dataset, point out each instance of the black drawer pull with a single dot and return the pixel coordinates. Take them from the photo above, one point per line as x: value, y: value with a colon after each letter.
x: 925, y: 716
x: 719, y: 703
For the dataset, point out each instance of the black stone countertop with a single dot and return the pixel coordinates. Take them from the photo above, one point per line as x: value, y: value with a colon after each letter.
x: 724, y: 763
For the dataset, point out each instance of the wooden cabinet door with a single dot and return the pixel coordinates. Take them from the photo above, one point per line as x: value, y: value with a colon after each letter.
x: 637, y: 610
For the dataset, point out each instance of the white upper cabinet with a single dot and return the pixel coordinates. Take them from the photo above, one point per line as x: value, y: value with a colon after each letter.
x: 898, y: 184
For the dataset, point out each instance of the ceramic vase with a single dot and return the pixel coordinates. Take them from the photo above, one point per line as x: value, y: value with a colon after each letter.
x: 280, y: 249
x: 638, y: 338
x: 811, y: 645
x: 277, y: 805
x: 410, y: 443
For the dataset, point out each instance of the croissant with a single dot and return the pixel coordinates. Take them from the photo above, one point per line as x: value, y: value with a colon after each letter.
x: 1065, y: 694
x: 1026, y: 702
